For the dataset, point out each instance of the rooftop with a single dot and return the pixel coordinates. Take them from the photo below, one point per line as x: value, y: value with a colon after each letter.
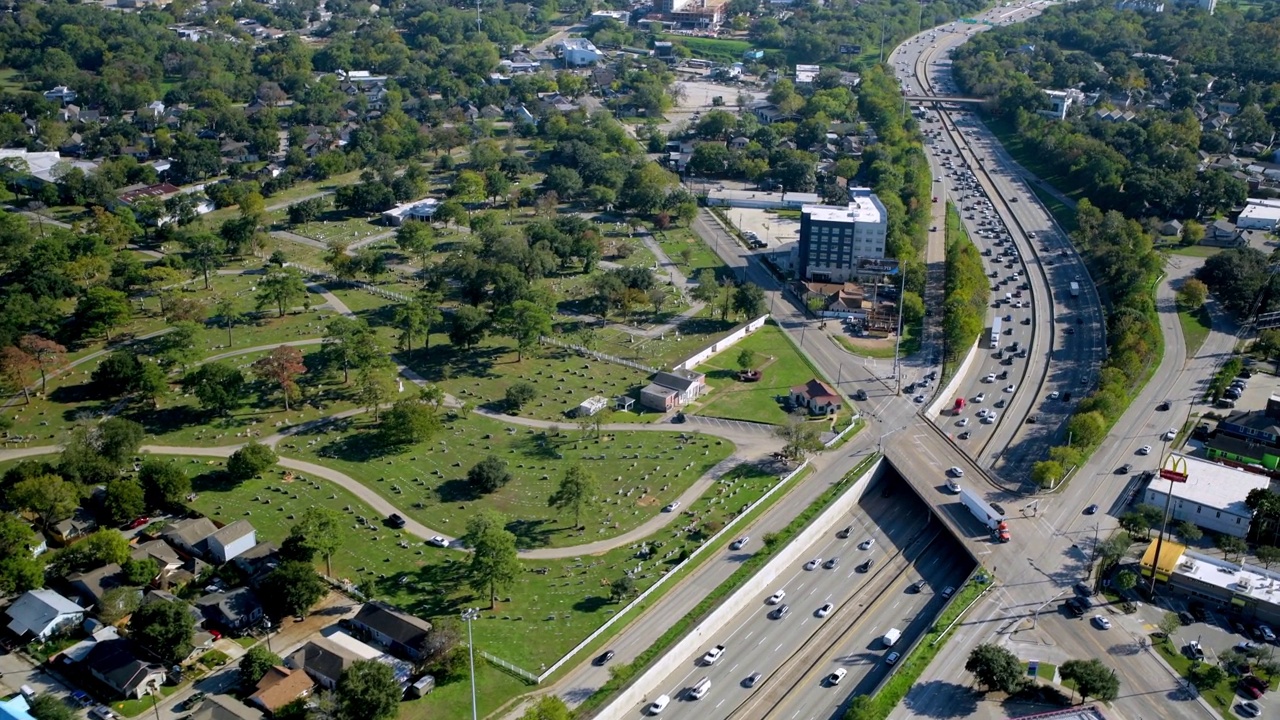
x: 1213, y: 485
x: 1076, y: 713
x: 1244, y: 580
x: 1259, y: 212
x: 236, y: 530
x: 577, y: 44
x: 863, y: 207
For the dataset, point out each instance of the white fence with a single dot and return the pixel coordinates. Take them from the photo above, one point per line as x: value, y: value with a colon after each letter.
x: 514, y: 670
x: 723, y: 344
x: 853, y: 423
x: 784, y: 561
x: 367, y: 287
x: 729, y: 526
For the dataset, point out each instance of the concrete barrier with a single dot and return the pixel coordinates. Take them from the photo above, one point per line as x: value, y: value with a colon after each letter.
x: 946, y: 396
x: 722, y: 344
x: 704, y: 635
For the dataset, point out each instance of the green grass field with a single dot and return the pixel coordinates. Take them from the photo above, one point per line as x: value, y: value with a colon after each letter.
x: 1196, y: 325
x: 782, y: 366
x: 638, y: 473
x: 723, y: 50
x: 674, y: 241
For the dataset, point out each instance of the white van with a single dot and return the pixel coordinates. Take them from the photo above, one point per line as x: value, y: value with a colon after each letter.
x: 659, y: 705
x: 700, y: 688
x: 891, y: 637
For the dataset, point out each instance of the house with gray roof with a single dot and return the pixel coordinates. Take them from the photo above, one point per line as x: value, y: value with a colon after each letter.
x: 233, y: 610
x: 324, y: 660
x: 231, y: 540
x: 188, y: 535
x: 40, y: 614
x: 93, y: 584
x: 398, y: 631
x: 116, y: 664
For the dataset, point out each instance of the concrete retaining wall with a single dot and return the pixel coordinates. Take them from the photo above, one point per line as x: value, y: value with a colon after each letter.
x: 723, y: 344
x: 704, y: 635
x: 946, y: 396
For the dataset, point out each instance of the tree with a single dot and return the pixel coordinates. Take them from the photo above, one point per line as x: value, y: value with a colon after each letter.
x: 564, y: 181
x: 1188, y: 532
x: 1125, y: 580
x: 101, y: 309
x: 577, y: 492
x: 119, y: 373
x: 801, y: 437
x: 317, y: 530
x: 489, y: 474
x: 622, y: 588
x: 50, y: 498
x: 306, y: 211
x: 20, y: 570
x: 548, y: 707
x: 281, y: 287
x: 250, y: 460
x: 416, y: 239
x: 495, y: 564
x: 292, y: 589
x: 748, y: 299
x: 412, y: 320
x: 124, y: 500
x: 254, y: 665
x: 218, y: 386
x: 204, y: 253
x: 350, y: 343
x: 16, y: 367
x: 48, y: 706
x: 520, y: 394
x: 141, y: 571
x: 165, y: 627
x: 496, y: 184
x: 1267, y: 555
x: 525, y: 322
x: 707, y: 288
x: 1193, y: 294
x: 408, y: 422
x: 1046, y: 472
x: 281, y: 368
x: 1169, y: 623
x: 47, y: 354
x: 118, y: 603
x: 229, y: 313
x: 1192, y: 232
x: 1088, y: 428
x: 746, y: 359
x: 178, y: 346
x: 1203, y: 675
x: 467, y: 326
x: 1230, y: 545
x: 468, y: 187
x: 1092, y: 679
x: 995, y: 668
x: 368, y: 690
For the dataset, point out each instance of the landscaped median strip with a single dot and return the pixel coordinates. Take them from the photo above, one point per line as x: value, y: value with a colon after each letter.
x: 622, y: 674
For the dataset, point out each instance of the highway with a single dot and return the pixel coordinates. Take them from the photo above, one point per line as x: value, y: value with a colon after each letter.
x: 910, y: 545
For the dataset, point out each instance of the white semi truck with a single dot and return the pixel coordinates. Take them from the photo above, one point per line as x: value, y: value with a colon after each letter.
x: 986, y: 514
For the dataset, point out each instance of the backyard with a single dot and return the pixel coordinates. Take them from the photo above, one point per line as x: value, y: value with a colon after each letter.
x: 782, y: 367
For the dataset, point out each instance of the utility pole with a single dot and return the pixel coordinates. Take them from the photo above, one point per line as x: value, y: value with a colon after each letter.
x: 471, y: 614
x: 897, y: 343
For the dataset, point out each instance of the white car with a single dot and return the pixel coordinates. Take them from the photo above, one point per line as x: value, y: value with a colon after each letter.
x: 867, y: 544
x: 1102, y: 622
x: 835, y: 677
x: 1053, y: 395
x: 980, y: 397
x: 990, y: 378
x: 954, y: 471
x: 1010, y: 388
x: 825, y: 610
x: 438, y: 541
x: 964, y: 422
x: 737, y: 544
x: 1144, y: 450
x: 672, y: 507
x: 813, y: 563
x: 659, y: 705
x: 1171, y: 433
x: 990, y: 419
x: 776, y: 598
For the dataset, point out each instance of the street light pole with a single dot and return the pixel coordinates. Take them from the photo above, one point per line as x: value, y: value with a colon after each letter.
x: 471, y: 614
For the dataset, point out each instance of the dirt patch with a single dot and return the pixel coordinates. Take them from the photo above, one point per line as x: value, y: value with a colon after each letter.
x: 647, y: 501
x: 885, y: 343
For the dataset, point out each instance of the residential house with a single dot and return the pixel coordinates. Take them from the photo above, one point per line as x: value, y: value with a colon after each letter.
x: 555, y: 102
x: 1222, y: 233
x: 806, y: 74
x: 768, y: 113
x: 40, y: 614
x: 61, y: 93
x: 1115, y: 116
x: 281, y: 686
x: 1060, y: 102
x: 116, y: 664
x: 672, y: 390
x: 78, y: 652
x: 92, y: 585
x: 603, y: 77
x: 1170, y: 228
x: 224, y: 707
x: 134, y: 193
x: 578, y: 52
x: 230, y: 541
x: 739, y: 143
x: 401, y: 633
x: 15, y: 708
x: 817, y: 396
x: 80, y: 524
x: 188, y: 535
x: 233, y: 610
x: 234, y: 151
x: 259, y: 558
x: 324, y: 659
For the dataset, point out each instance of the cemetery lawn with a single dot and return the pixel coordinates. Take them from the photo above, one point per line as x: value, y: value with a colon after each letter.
x: 782, y: 365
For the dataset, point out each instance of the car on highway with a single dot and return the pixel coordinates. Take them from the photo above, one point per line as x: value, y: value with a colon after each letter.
x: 1010, y: 388
x: 813, y: 563
x: 825, y: 610
x: 752, y: 679
x: 737, y: 544
x: 659, y: 705
x: 1101, y: 622
x: 867, y: 544
x: 776, y: 598
x: 964, y: 422
x: 1144, y: 450
x: 954, y: 471
x: 866, y: 566
x: 964, y: 435
x: 603, y: 658
x: 832, y: 564
x: 672, y: 507
x: 1170, y: 434
x: 835, y: 677
x: 990, y: 378
x: 1124, y: 469
x: 919, y: 586
x: 989, y: 419
x: 980, y: 397
x: 892, y: 658
x: 780, y: 612
x: 1164, y: 406
x: 844, y: 533
x: 1091, y: 509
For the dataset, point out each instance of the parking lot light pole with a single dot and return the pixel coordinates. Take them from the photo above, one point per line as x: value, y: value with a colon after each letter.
x: 471, y: 614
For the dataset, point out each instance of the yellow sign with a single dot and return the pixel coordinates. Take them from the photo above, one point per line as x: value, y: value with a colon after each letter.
x: 1175, y: 469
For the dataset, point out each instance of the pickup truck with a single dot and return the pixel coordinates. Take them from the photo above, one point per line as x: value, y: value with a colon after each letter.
x: 713, y: 655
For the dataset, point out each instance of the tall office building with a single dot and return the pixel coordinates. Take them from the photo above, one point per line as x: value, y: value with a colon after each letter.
x: 833, y: 237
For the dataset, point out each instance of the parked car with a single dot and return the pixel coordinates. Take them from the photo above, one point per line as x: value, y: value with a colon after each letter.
x: 395, y: 521
x: 672, y: 507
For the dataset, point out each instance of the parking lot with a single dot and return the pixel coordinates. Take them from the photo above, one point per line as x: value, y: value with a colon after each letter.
x: 775, y: 231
